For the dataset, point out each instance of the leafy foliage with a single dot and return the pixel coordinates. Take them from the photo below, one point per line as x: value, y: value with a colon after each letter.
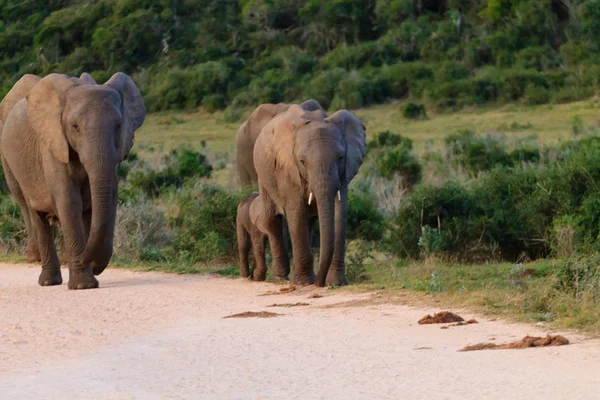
x: 345, y: 53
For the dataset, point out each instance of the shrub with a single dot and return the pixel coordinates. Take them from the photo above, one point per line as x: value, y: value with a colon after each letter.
x: 12, y: 227
x: 411, y: 110
x: 140, y: 231
x: 388, y: 139
x: 474, y: 154
x: 179, y: 165
x: 213, y: 102
x: 356, y: 258
x: 365, y: 221
x: 204, y: 223
x: 399, y: 162
x: 451, y: 71
x: 536, y: 94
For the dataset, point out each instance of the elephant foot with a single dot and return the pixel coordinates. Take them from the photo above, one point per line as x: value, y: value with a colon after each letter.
x: 82, y: 279
x: 304, y: 279
x: 259, y: 276
x: 244, y: 273
x: 281, y: 278
x: 50, y: 277
x: 336, y: 278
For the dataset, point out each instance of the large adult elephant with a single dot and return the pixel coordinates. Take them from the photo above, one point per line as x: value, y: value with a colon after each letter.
x: 304, y: 165
x: 60, y: 147
x: 248, y: 133
x: 17, y: 93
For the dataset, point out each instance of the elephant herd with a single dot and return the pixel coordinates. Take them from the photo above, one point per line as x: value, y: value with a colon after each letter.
x: 62, y: 138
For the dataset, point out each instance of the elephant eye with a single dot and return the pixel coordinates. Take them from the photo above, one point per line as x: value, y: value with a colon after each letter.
x: 75, y: 127
x: 303, y: 162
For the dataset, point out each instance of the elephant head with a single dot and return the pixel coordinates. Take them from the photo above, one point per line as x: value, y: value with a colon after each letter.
x: 314, y: 159
x: 78, y: 121
x: 248, y: 133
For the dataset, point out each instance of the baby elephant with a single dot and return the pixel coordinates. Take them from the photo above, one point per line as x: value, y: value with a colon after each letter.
x: 248, y: 235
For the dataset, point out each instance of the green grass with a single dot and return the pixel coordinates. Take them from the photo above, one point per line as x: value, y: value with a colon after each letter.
x: 551, y: 123
x: 523, y: 292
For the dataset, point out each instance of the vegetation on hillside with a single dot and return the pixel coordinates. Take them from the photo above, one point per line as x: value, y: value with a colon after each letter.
x: 344, y: 53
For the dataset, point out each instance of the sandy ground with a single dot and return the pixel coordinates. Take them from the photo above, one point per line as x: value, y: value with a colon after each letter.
x: 162, y: 336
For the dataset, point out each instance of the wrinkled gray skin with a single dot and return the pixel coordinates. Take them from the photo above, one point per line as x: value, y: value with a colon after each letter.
x: 18, y: 92
x: 248, y: 133
x: 250, y: 237
x: 296, y: 154
x: 61, y: 143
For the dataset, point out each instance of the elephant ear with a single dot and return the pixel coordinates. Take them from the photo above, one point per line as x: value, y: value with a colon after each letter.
x: 45, y: 103
x: 313, y: 105
x: 132, y: 108
x: 18, y: 92
x: 282, y: 130
x: 262, y: 115
x: 84, y: 79
x: 354, y: 133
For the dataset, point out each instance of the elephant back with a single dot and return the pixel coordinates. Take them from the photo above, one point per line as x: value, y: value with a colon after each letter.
x: 18, y: 92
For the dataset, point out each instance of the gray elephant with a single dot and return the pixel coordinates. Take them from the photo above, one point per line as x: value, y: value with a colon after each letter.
x: 248, y: 133
x: 17, y: 93
x: 304, y: 165
x: 250, y: 237
x: 60, y: 147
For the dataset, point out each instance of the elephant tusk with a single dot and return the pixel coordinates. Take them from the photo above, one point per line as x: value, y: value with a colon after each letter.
x: 339, y: 196
x: 310, y: 198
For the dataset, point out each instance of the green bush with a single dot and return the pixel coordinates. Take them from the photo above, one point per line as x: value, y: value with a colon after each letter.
x: 411, y: 110
x: 536, y: 95
x: 509, y: 212
x: 204, y: 224
x: 388, y: 139
x: 179, y: 165
x: 365, y: 220
x: 213, y: 102
x: 474, y: 154
x: 399, y: 161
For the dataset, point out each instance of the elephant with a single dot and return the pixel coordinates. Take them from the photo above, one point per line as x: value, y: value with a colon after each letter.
x: 249, y: 236
x: 248, y: 133
x: 18, y: 92
x: 61, y: 144
x: 304, y: 165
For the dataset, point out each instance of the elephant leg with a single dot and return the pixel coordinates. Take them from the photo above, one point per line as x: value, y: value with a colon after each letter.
x: 44, y: 233
x: 258, y: 249
x: 337, y: 271
x: 279, y: 255
x: 33, y: 250
x: 64, y: 253
x: 244, y: 244
x: 81, y: 276
x: 303, y: 258
x: 271, y: 224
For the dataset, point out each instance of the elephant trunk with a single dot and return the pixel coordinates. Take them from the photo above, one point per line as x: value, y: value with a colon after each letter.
x: 325, y: 196
x: 103, y: 188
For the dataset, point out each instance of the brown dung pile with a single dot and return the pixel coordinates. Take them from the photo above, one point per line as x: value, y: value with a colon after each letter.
x: 461, y: 323
x: 254, y: 314
x: 443, y: 317
x: 525, y: 343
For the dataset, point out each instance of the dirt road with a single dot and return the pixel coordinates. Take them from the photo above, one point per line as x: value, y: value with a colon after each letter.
x: 161, y: 336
